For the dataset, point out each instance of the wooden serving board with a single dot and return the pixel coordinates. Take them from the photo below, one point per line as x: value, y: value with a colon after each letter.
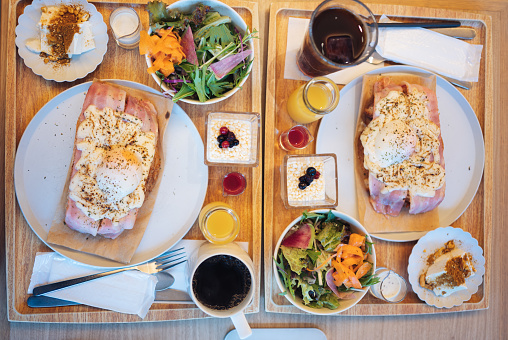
x: 477, y: 219
x: 28, y: 93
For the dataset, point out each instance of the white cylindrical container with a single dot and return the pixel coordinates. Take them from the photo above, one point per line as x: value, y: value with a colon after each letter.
x: 391, y: 287
x: 126, y: 27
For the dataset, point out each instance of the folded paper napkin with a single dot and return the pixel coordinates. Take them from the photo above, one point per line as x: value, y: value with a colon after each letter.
x: 430, y: 50
x: 297, y: 27
x: 130, y: 292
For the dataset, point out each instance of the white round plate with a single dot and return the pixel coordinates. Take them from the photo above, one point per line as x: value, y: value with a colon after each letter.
x: 80, y: 65
x: 41, y: 169
x: 426, y: 246
x: 464, y: 150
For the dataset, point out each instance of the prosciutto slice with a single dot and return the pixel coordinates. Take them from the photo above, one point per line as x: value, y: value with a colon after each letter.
x: 391, y: 203
x: 103, y: 95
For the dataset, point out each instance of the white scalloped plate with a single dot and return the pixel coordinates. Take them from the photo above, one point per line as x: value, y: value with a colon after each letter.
x: 80, y: 65
x: 427, y: 245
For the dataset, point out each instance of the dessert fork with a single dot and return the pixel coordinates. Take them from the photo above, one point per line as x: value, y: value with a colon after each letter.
x: 164, y: 261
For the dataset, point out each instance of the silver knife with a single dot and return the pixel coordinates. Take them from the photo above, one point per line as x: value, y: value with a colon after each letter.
x: 169, y: 295
x: 457, y: 32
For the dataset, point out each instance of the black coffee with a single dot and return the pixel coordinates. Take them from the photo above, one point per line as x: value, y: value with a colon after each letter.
x: 221, y: 282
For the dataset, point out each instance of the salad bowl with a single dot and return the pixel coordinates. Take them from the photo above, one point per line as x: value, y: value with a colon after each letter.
x: 236, y: 20
x: 344, y: 304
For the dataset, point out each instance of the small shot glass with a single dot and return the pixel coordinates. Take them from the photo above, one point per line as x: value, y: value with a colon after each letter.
x: 126, y: 27
x: 233, y: 184
x: 296, y: 138
x: 391, y: 287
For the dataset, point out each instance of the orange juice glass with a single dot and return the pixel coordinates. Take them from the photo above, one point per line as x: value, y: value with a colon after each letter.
x: 219, y: 223
x: 313, y: 100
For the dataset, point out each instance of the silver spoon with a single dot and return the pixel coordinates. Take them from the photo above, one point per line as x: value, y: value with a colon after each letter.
x: 165, y: 280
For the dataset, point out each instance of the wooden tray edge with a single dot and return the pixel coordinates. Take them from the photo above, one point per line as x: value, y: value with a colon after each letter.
x: 270, y: 104
x: 10, y: 198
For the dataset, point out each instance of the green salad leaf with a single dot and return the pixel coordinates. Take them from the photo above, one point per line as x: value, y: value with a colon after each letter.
x: 215, y: 38
x: 296, y: 257
x: 331, y: 235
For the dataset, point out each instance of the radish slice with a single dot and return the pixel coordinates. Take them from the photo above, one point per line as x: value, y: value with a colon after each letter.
x: 188, y: 47
x: 223, y: 67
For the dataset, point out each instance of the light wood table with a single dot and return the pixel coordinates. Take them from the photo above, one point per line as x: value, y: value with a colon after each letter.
x: 486, y: 324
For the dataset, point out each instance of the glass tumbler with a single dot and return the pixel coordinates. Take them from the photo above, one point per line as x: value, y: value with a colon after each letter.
x: 341, y: 34
x: 311, y: 101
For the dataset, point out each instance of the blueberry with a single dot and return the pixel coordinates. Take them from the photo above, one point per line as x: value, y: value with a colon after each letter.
x: 311, y: 171
x: 302, y: 185
x: 236, y: 142
x: 308, y: 179
x: 221, y: 138
x: 302, y: 179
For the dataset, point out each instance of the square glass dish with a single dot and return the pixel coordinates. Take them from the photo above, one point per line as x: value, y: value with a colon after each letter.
x: 246, y: 130
x: 320, y: 190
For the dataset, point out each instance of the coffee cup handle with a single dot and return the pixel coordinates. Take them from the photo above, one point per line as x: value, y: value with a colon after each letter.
x: 241, y: 325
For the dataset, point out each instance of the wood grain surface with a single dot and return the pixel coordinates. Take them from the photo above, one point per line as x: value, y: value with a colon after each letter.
x: 476, y: 219
x: 484, y: 324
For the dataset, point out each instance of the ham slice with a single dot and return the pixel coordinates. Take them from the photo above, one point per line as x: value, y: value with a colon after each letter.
x: 104, y: 95
x: 392, y: 202
x: 101, y: 95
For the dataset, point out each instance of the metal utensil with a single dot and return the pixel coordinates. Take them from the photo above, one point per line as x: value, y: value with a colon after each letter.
x: 165, y: 261
x: 165, y: 280
x: 464, y: 33
x: 376, y: 58
x: 443, y: 24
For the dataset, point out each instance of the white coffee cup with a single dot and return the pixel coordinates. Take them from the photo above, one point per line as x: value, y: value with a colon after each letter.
x: 208, y: 250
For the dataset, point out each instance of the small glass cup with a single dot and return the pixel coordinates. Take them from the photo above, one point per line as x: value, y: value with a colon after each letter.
x: 391, y: 288
x: 219, y: 223
x: 126, y: 27
x: 296, y: 138
x: 311, y: 101
x: 233, y: 184
x: 247, y: 128
x: 323, y: 191
x: 351, y: 31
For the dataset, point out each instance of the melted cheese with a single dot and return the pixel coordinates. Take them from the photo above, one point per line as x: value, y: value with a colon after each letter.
x: 401, y: 145
x: 115, y: 161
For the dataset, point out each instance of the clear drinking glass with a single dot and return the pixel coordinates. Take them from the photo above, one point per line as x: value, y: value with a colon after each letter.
x: 351, y: 34
x: 126, y: 27
x: 313, y: 100
x: 296, y: 138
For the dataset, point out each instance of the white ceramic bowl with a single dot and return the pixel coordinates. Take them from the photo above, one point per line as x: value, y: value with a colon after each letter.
x: 344, y: 304
x: 187, y: 7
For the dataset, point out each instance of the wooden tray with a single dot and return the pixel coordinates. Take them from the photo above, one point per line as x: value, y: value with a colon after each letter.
x: 27, y: 93
x: 478, y: 217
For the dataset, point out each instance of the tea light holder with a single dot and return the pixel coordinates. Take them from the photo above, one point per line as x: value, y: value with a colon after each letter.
x: 126, y: 27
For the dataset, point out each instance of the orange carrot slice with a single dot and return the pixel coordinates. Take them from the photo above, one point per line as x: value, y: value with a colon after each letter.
x: 364, y: 269
x: 356, y: 240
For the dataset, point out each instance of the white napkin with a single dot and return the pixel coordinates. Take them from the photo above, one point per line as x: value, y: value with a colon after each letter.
x: 430, y: 50
x: 297, y: 27
x: 130, y: 292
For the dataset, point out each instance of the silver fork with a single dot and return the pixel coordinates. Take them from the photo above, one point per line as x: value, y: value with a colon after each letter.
x: 164, y: 261
x: 376, y: 58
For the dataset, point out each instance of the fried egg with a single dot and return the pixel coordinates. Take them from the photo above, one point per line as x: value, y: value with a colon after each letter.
x: 116, y: 155
x: 401, y: 145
